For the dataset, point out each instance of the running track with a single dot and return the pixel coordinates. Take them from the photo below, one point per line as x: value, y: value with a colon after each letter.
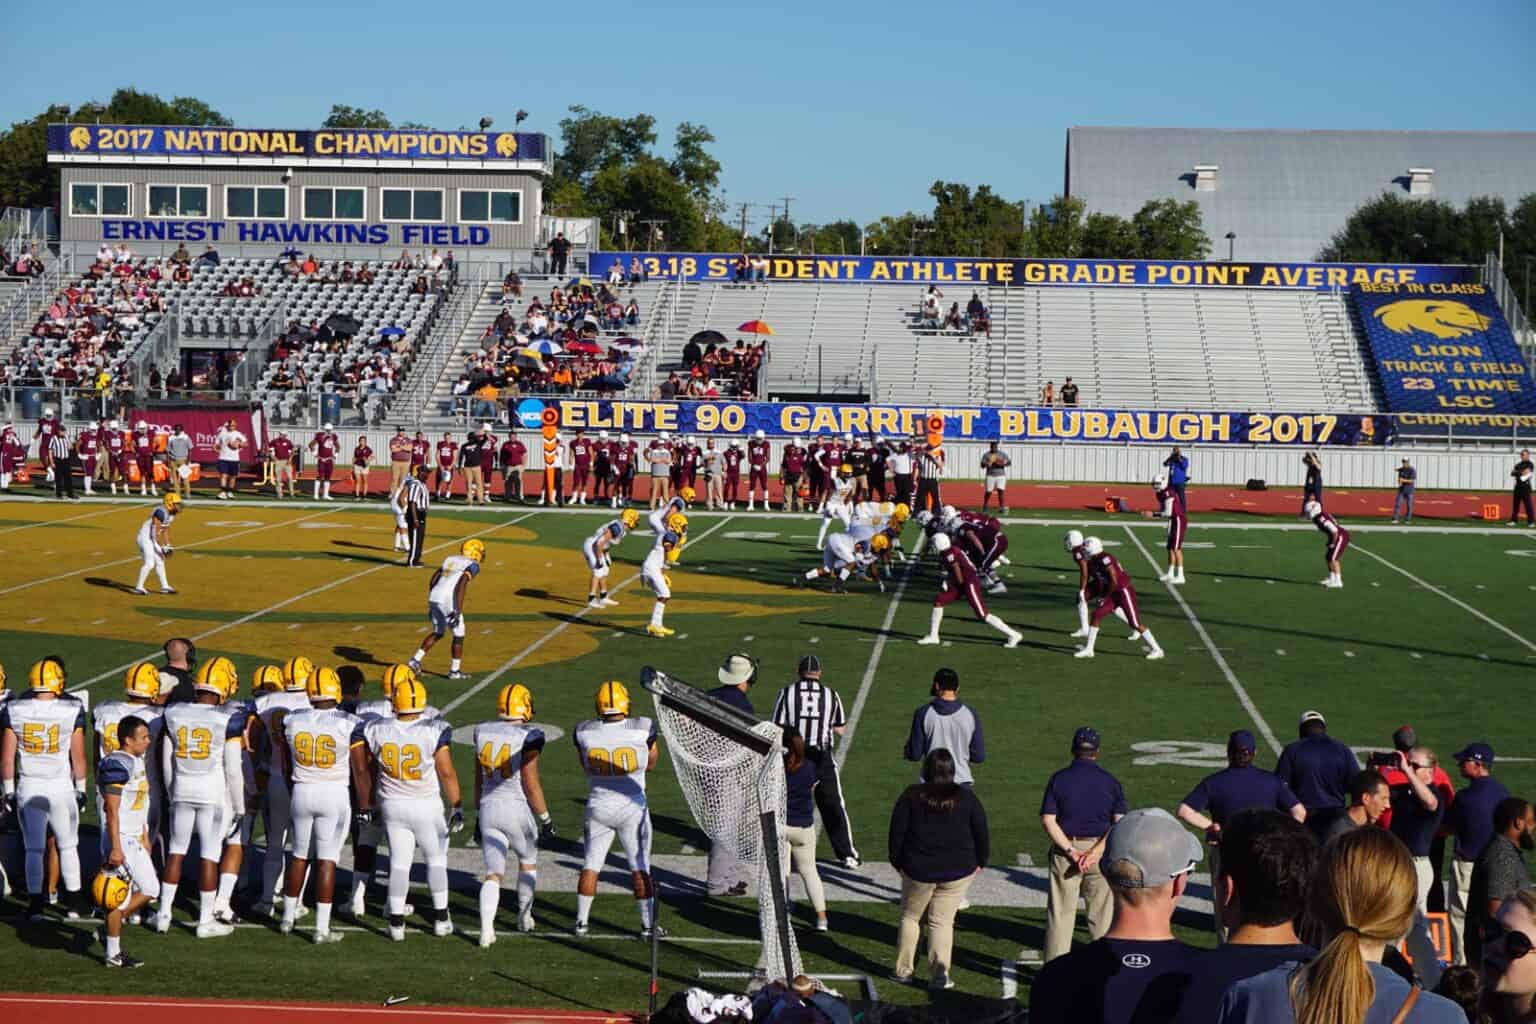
x: 56, y: 1009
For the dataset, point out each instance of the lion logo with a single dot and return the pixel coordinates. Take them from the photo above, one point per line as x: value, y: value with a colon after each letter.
x: 79, y: 137
x: 506, y: 144
x: 1432, y: 316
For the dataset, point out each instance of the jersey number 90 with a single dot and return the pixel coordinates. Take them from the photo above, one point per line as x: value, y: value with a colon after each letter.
x: 611, y: 762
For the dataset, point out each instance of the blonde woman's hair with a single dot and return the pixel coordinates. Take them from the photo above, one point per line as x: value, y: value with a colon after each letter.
x: 1364, y: 889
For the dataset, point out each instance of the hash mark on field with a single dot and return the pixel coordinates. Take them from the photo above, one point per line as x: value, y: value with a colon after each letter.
x: 33, y: 622
x: 748, y: 638
x: 1216, y: 580
x: 294, y: 625
x: 1375, y: 584
x: 1483, y: 657
x: 1415, y: 654
x: 357, y: 628
x: 487, y: 631
x: 1349, y: 654
x: 1280, y: 651
x: 97, y: 622
x: 1270, y: 582
x: 617, y: 632
x: 165, y: 622
x: 1061, y: 575
x: 815, y: 639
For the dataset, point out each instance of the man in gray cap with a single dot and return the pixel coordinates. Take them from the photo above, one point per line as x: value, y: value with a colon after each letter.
x: 1138, y: 971
x: 737, y: 674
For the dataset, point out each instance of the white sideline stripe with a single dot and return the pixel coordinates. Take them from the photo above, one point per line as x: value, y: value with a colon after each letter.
x: 1010, y: 973
x: 868, y: 682
x: 55, y: 522
x: 517, y: 658
x: 242, y: 620
x: 130, y: 561
x: 1210, y: 646
x: 1458, y: 602
x: 128, y: 1002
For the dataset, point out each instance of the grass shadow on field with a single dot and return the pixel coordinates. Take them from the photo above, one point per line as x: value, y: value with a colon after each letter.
x: 679, y: 828
x: 343, y: 556
x: 106, y: 584
x: 355, y: 544
x: 544, y: 595
x: 587, y: 620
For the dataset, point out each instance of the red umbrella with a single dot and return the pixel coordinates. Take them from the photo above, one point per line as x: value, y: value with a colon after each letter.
x: 755, y: 327
x: 590, y: 348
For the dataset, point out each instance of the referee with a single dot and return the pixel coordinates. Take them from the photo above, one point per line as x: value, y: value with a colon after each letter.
x: 816, y: 713
x: 417, y: 499
x: 930, y: 466
x: 62, y: 459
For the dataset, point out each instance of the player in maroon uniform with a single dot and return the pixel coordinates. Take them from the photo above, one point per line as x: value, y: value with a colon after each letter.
x: 730, y: 461
x: 488, y: 453
x: 282, y: 463
x: 421, y: 448
x: 362, y: 458
x: 581, y: 467
x: 816, y: 468
x: 325, y: 445
x: 1109, y: 585
x: 144, y: 458
x: 832, y: 454
x: 792, y: 474
x: 46, y: 428
x: 513, y: 453
x: 115, y: 450
x: 1338, y: 541
x: 602, y: 469
x: 685, y: 462
x: 1170, y: 507
x: 985, y: 542
x: 959, y: 579
x: 757, y: 471
x: 12, y: 455
x: 624, y: 455
x: 1073, y: 543
x: 447, y: 458
x: 89, y: 447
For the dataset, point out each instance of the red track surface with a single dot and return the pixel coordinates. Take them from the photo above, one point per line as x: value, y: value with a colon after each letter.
x: 54, y: 1009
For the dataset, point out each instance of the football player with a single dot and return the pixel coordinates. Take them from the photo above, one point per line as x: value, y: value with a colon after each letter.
x: 1170, y: 507
x: 144, y: 459
x: 445, y: 604
x: 1338, y: 542
x: 839, y: 501
x: 1111, y: 587
x: 316, y: 744
x: 155, y: 542
x: 1073, y: 543
x: 201, y: 746
x: 984, y: 542
x: 447, y: 458
x: 362, y: 458
x: 844, y: 556
x: 653, y: 571
x: 511, y: 815
x: 408, y: 756
x: 959, y: 577
x: 679, y: 502
x: 123, y: 790
x: 42, y: 779
x: 266, y: 735
x: 141, y: 690
x: 595, y: 549
x: 397, y: 505
x: 325, y: 444
x: 616, y: 753
x: 792, y: 474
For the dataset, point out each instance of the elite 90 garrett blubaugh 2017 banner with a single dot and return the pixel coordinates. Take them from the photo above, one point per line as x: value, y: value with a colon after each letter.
x: 962, y: 423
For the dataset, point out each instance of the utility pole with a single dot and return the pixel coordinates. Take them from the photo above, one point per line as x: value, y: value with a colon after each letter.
x: 790, y: 199
x: 744, y: 208
x: 655, y: 226
x: 773, y: 220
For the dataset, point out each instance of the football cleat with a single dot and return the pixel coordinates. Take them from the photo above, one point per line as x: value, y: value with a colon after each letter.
x: 124, y: 961
x: 525, y: 920
x: 582, y: 929
x: 162, y: 923
x: 413, y: 665
x: 285, y: 926
x: 456, y: 675
x: 487, y: 938
x: 929, y: 640
x: 397, y: 934
x: 214, y: 930
x: 442, y: 928
x: 657, y: 930
x: 607, y: 602
x: 1155, y: 655
x: 1014, y: 640
x: 1082, y: 652
x: 140, y: 591
x: 1078, y: 634
x: 659, y: 631
x: 326, y: 938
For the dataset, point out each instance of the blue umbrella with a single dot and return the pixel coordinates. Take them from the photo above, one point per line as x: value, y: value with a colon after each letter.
x: 392, y: 331
x: 290, y: 253
x: 545, y: 347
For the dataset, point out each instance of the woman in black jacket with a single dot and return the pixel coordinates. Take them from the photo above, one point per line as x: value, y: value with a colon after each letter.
x: 938, y: 841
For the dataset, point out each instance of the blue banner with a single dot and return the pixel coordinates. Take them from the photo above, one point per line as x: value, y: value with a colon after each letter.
x: 961, y: 271
x: 1447, y: 351
x: 326, y: 143
x: 961, y: 423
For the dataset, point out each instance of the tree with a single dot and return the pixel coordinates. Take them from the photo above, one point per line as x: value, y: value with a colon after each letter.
x: 648, y: 189
x: 1166, y: 229
x: 1108, y: 237
x: 1397, y: 229
x: 692, y: 163
x: 1056, y: 229
x: 343, y: 116
x: 591, y: 142
x: 978, y: 223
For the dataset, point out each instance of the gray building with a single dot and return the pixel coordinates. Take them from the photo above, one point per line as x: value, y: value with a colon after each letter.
x: 357, y: 194
x: 1284, y: 194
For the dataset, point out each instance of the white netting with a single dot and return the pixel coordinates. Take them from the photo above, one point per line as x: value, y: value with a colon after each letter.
x: 729, y: 788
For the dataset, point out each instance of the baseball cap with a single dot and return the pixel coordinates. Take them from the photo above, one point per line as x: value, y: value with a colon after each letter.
x: 1242, y: 739
x: 1405, y: 739
x: 1086, y: 738
x: 1154, y: 841
x: 1312, y: 716
x: 736, y: 669
x: 808, y: 664
x: 1482, y: 753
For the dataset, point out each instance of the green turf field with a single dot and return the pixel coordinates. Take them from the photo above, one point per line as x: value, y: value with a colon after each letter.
x: 1434, y: 627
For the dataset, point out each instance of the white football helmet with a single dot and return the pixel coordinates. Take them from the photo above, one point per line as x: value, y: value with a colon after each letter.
x: 1160, y: 481
x: 1073, y: 539
x: 602, y: 435
x: 795, y: 441
x: 1093, y: 546
x: 941, y: 542
x: 923, y: 517
x: 1312, y: 509
x: 758, y: 434
x: 327, y: 426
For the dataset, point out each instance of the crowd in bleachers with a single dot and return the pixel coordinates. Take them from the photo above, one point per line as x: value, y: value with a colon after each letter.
x: 975, y: 319
x: 26, y: 263
x: 716, y: 371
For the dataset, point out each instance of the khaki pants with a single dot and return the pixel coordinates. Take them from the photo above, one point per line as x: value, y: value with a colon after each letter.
x: 397, y: 471
x: 282, y: 473
x: 1066, y: 883
x: 1421, y: 948
x: 802, y: 852
x: 474, y: 484
x: 941, y: 902
x: 1461, y: 888
x: 183, y: 486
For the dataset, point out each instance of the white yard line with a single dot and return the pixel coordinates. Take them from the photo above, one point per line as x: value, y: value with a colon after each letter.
x: 56, y: 522
x: 1357, y: 526
x: 867, y: 683
x: 517, y: 659
x: 1458, y: 602
x: 138, y: 561
x: 242, y: 620
x: 1215, y: 653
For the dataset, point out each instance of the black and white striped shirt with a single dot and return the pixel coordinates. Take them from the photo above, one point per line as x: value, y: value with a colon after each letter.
x: 416, y: 495
x: 930, y: 464
x: 59, y: 446
x: 812, y: 710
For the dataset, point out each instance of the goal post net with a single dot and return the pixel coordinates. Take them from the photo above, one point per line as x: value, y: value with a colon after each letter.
x: 731, y: 770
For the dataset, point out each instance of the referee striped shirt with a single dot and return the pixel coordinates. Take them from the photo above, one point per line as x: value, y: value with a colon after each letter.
x: 812, y: 710
x: 930, y: 465
x: 59, y: 446
x: 416, y: 495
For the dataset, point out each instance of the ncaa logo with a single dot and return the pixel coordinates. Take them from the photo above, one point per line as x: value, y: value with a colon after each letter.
x: 1136, y: 960
x: 528, y: 412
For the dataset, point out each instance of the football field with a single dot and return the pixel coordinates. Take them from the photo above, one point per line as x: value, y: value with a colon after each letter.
x: 1436, y: 626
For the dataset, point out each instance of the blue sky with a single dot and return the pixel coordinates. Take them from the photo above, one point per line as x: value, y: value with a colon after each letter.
x: 853, y: 108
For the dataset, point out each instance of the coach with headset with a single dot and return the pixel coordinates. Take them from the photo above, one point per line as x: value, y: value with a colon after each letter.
x: 180, y: 663
x: 815, y: 711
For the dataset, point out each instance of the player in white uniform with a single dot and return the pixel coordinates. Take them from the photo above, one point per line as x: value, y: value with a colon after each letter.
x: 511, y: 814
x: 316, y: 746
x: 155, y: 543
x: 402, y: 531
x: 42, y: 778
x: 408, y: 757
x: 616, y: 752
x: 141, y: 688
x: 670, y: 537
x: 595, y: 549
x: 445, y: 604
x: 838, y: 504
x: 266, y: 736
x: 844, y: 555
x: 201, y: 747
x: 123, y: 791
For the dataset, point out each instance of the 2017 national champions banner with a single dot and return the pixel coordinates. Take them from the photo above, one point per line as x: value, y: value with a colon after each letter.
x: 340, y: 143
x: 922, y: 270
x: 961, y: 423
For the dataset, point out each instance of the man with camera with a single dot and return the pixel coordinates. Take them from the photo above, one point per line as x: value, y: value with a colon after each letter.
x: 1312, y: 487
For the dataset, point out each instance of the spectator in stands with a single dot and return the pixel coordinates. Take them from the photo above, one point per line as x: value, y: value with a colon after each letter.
x: 366, y: 275
x: 434, y: 262
x: 1147, y: 861
x: 636, y: 271
x: 1362, y: 900
x: 939, y: 842
x: 420, y: 287
x: 929, y: 314
x: 740, y: 269
x: 310, y: 267
x: 1509, y: 969
x: 669, y: 388
x: 559, y: 252
x: 1267, y: 860
x: 181, y: 256
x: 1318, y: 769
x: 952, y: 320
x: 404, y: 261
x: 511, y: 286
x: 759, y: 265
x: 615, y: 275
x: 1069, y: 393
x: 1048, y: 394
x: 210, y: 256
x: 1369, y: 798
x: 631, y: 313
x: 1470, y: 820
x: 1500, y: 873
